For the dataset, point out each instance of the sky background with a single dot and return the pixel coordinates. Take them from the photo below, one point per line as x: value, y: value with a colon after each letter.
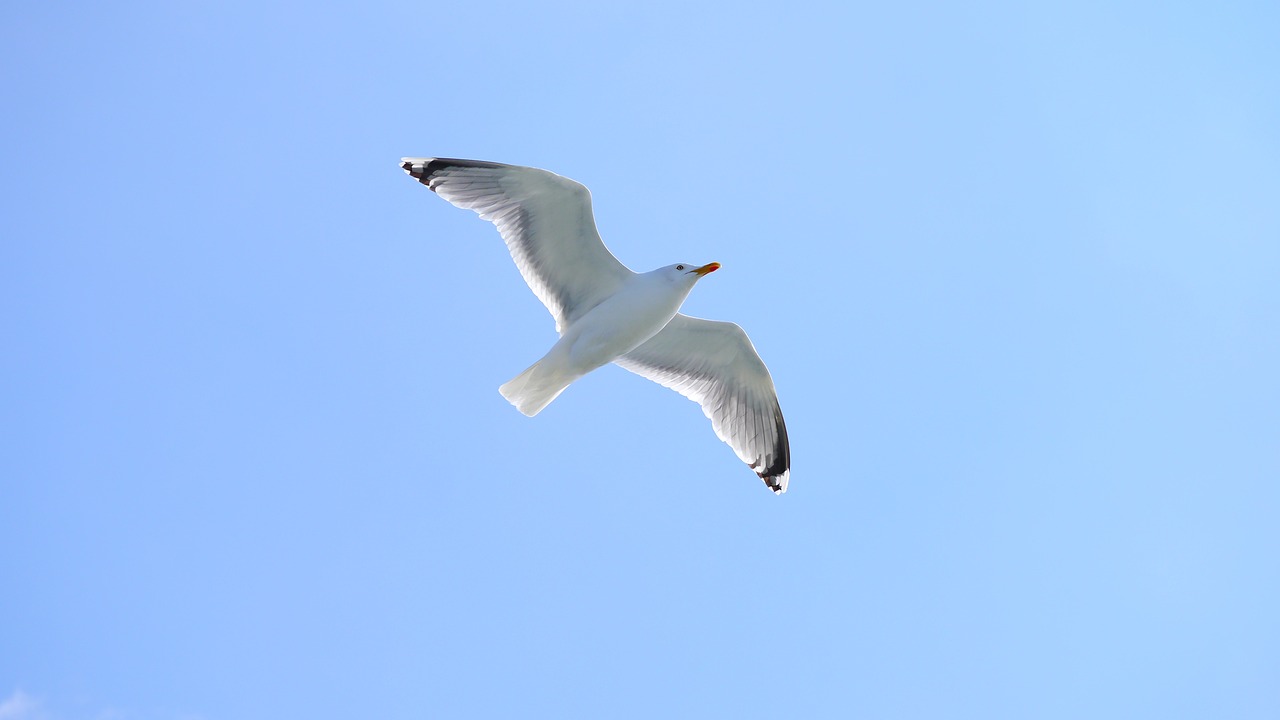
x: 1015, y: 270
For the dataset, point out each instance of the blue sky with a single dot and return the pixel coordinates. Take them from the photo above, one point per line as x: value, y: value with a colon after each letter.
x: 1014, y: 270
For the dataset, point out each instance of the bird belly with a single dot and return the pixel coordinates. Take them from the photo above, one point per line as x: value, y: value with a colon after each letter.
x: 617, y: 326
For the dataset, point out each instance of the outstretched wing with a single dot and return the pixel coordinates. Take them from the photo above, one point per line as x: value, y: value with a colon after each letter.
x: 546, y: 222
x: 714, y: 364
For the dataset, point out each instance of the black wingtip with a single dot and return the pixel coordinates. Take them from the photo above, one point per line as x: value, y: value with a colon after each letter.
x: 424, y: 170
x: 776, y: 475
x: 418, y: 168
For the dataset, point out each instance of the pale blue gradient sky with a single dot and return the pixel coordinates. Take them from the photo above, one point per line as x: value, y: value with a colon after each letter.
x: 1015, y: 271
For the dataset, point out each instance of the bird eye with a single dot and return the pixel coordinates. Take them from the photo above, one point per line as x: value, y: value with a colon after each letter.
x: 679, y: 267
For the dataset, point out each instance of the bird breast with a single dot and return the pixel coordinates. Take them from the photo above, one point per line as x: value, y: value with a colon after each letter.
x: 622, y: 322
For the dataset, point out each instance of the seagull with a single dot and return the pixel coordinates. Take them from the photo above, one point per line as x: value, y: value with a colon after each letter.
x: 606, y: 313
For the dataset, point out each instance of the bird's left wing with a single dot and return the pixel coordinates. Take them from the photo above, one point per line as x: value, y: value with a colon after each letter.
x: 546, y: 221
x: 714, y: 364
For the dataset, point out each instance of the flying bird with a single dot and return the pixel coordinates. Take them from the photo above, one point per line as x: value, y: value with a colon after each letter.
x: 605, y: 313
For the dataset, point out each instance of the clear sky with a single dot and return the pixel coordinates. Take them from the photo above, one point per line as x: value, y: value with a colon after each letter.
x: 1015, y: 269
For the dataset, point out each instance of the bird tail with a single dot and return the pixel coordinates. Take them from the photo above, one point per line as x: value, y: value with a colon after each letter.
x: 535, y: 388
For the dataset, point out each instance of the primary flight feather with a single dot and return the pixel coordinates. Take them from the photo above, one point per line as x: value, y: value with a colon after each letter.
x: 606, y: 313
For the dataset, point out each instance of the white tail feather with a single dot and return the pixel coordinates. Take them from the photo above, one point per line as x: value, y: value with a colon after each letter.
x: 534, y: 389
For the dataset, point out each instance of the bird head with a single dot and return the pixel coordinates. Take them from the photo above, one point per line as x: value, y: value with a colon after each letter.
x: 691, y: 273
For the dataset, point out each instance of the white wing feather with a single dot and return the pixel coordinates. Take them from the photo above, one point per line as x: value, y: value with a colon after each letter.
x: 714, y: 364
x: 546, y: 221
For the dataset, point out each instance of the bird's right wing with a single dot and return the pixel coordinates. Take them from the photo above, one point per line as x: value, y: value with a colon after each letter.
x: 714, y: 364
x: 546, y: 222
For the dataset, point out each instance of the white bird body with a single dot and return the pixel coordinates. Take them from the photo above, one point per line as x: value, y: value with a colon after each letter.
x: 628, y: 318
x: 606, y: 313
x: 636, y: 312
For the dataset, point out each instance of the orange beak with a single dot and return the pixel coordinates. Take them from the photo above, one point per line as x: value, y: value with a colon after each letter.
x: 705, y: 269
